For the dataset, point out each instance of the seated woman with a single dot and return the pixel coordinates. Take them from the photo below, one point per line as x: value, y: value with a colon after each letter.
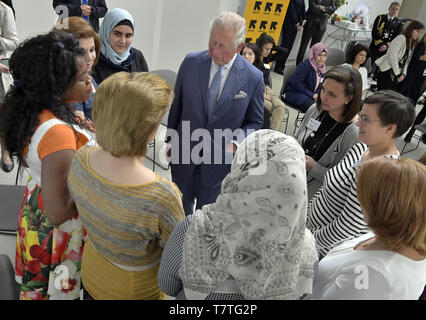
x: 389, y: 262
x: 357, y: 57
x: 90, y: 41
x: 128, y: 210
x: 303, y: 87
x: 328, y: 129
x: 274, y: 106
x: 252, y: 242
x: 117, y: 54
x: 39, y: 127
x: 334, y: 214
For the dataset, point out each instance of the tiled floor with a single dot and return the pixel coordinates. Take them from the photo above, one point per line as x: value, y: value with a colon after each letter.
x: 7, y: 242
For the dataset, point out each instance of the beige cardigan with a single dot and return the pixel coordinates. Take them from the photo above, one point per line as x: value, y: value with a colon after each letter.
x: 8, y: 43
x: 395, y: 52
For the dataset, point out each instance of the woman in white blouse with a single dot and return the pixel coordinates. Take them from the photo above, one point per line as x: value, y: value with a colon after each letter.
x: 390, y: 262
x: 394, y: 64
x: 357, y: 57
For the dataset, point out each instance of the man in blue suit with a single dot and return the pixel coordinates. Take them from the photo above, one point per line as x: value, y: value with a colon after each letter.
x: 218, y: 102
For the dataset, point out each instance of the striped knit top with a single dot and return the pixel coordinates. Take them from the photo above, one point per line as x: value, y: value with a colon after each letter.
x: 127, y: 224
x: 334, y: 213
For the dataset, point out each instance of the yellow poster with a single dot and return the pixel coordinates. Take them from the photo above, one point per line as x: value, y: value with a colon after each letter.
x: 265, y: 16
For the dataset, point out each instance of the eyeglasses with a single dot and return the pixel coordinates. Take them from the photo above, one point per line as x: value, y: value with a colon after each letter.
x: 364, y: 119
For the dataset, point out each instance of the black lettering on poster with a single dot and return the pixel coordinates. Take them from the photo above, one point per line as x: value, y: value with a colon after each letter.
x: 257, y: 5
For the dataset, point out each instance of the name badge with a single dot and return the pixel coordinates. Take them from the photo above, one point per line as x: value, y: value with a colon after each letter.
x: 313, y: 124
x: 266, y: 65
x: 424, y: 72
x: 386, y: 35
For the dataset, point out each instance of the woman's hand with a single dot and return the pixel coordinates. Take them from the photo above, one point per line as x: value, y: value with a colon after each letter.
x: 310, y: 162
x: 267, y: 97
x: 3, y: 68
x: 401, y: 78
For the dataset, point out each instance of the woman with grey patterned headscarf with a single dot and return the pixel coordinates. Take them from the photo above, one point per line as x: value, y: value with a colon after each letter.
x: 252, y: 242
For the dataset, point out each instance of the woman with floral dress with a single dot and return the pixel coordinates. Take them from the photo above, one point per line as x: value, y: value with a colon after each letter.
x: 38, y: 126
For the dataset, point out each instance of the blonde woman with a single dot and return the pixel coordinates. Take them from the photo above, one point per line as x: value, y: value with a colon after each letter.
x: 391, y: 259
x: 128, y: 210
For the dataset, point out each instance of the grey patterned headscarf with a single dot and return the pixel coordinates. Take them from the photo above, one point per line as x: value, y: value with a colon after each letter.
x: 254, y: 237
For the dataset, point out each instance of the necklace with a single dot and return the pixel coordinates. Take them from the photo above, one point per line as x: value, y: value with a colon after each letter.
x: 316, y: 146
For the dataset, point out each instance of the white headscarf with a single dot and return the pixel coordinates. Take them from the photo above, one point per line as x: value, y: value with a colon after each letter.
x: 254, y: 235
x: 111, y: 19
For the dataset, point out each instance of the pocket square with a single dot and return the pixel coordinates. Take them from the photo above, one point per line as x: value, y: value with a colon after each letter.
x: 240, y: 95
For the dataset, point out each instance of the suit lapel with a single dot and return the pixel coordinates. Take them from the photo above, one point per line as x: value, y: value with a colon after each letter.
x: 204, y: 79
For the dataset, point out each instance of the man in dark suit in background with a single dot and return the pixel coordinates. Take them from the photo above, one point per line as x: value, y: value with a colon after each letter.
x: 294, y: 21
x: 385, y: 28
x: 91, y: 10
x: 215, y: 90
x: 316, y: 24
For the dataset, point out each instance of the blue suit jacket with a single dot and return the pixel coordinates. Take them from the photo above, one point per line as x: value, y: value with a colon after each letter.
x: 240, y: 106
x: 301, y: 85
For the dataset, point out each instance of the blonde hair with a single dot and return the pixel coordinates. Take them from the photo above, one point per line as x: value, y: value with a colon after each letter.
x: 81, y: 29
x: 392, y: 194
x: 127, y: 110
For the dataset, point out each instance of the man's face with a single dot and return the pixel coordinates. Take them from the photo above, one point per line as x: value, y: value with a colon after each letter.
x: 394, y: 10
x: 221, y: 45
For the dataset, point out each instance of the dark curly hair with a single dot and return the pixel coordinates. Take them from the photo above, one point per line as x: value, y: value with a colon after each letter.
x: 43, y: 67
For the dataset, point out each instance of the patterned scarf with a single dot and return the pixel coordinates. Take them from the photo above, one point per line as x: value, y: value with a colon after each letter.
x: 253, y: 238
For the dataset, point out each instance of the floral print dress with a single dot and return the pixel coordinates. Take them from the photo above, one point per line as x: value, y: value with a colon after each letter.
x: 48, y: 257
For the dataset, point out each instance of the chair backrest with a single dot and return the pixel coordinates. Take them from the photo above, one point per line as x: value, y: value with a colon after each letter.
x: 8, y: 288
x: 288, y: 72
x: 335, y: 57
x: 170, y: 76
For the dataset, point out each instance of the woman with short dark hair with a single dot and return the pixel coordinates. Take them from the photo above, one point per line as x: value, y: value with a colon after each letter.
x: 334, y: 214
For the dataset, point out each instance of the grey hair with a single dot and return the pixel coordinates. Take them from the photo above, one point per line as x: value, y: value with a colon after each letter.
x: 232, y: 22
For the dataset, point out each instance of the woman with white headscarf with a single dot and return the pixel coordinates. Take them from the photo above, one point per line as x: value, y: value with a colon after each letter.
x: 252, y: 242
x: 117, y: 54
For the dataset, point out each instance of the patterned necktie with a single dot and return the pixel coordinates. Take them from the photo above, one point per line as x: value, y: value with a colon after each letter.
x: 83, y: 2
x: 213, y: 93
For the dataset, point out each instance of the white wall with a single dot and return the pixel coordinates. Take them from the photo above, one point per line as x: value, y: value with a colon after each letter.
x: 166, y: 30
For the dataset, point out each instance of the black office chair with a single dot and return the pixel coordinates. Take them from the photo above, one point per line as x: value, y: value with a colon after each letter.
x: 422, y: 129
x: 9, y: 290
x: 288, y: 72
